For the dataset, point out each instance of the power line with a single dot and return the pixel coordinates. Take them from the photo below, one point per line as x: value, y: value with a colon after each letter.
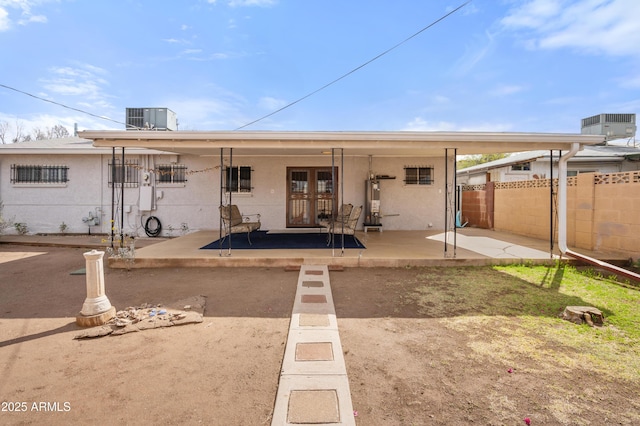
x: 359, y: 67
x: 273, y: 112
x: 62, y: 105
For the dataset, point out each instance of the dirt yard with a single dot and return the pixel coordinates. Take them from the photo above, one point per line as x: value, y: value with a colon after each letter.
x: 409, y: 362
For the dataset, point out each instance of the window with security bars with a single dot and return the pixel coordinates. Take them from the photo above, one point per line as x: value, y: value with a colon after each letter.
x: 171, y: 173
x: 126, y: 173
x: 238, y: 179
x: 21, y: 173
x: 414, y: 175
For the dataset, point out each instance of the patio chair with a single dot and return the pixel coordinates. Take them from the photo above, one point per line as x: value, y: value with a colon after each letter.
x: 348, y: 227
x: 235, y: 223
x: 343, y: 214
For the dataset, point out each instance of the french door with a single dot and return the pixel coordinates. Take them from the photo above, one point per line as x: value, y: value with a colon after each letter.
x: 309, y: 195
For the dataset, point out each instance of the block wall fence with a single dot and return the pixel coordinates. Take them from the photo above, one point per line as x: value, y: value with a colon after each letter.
x: 603, y: 210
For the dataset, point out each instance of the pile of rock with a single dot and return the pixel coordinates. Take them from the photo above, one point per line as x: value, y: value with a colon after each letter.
x: 148, y: 316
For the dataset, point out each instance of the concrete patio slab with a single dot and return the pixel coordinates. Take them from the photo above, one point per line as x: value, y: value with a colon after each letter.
x: 492, y: 247
x: 475, y: 247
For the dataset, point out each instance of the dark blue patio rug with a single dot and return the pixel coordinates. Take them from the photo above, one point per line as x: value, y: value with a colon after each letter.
x: 266, y: 240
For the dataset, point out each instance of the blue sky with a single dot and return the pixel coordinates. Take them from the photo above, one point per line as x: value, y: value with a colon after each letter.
x: 495, y: 65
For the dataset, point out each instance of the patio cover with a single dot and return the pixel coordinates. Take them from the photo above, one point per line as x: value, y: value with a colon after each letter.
x: 296, y: 143
x: 370, y: 144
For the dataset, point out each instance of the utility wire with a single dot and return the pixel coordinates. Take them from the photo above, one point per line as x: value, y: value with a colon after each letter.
x: 278, y: 110
x: 63, y: 105
x: 357, y: 68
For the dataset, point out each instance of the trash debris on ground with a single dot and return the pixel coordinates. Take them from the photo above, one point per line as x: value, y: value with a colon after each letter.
x: 148, y: 316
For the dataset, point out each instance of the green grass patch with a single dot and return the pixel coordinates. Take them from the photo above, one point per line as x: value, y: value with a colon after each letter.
x: 619, y: 303
x: 511, y: 311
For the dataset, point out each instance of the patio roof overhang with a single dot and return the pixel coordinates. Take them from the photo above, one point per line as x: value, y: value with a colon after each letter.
x: 260, y: 143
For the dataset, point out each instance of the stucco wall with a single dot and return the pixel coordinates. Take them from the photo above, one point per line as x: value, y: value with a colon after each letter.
x: 45, y: 208
x: 603, y: 211
x: 194, y: 204
x: 521, y: 209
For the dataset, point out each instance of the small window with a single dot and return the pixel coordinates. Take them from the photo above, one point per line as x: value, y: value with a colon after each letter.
x: 238, y: 179
x: 126, y: 174
x: 521, y: 167
x: 39, y: 174
x: 418, y: 175
x: 573, y: 173
x: 171, y: 173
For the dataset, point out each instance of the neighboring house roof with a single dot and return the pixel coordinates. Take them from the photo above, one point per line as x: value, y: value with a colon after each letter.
x: 354, y: 143
x: 588, y: 154
x: 70, y: 145
x: 517, y: 158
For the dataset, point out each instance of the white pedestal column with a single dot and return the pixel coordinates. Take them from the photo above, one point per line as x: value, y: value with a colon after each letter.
x: 97, y: 309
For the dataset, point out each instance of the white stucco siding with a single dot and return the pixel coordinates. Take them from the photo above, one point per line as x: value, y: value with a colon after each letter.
x: 176, y: 205
x: 194, y: 203
x: 269, y: 180
x: 410, y: 207
x: 44, y: 207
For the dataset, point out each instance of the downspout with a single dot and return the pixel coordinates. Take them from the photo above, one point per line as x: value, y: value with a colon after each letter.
x: 562, y: 196
x: 562, y: 221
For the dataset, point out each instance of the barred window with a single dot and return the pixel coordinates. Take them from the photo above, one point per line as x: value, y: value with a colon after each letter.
x: 418, y: 175
x: 21, y: 173
x: 238, y: 179
x: 171, y: 173
x: 126, y: 174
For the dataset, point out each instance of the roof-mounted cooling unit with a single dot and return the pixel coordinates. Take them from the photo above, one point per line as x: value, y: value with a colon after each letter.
x: 151, y: 119
x: 611, y: 126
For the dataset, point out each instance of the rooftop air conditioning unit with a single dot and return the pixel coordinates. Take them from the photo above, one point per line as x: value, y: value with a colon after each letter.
x: 151, y: 119
x: 611, y: 126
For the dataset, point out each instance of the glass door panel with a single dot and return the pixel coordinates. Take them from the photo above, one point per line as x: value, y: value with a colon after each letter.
x: 298, y: 206
x: 324, y: 194
x: 309, y: 196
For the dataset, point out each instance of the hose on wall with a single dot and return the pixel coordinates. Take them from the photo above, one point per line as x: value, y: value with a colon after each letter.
x: 152, y: 226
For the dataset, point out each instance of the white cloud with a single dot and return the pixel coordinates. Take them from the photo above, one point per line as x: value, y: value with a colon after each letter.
x: 5, y: 23
x: 39, y: 19
x: 593, y: 26
x: 441, y: 99
x: 420, y: 124
x: 533, y: 14
x: 81, y: 80
x: 47, y: 121
x: 26, y: 17
x: 191, y: 51
x: 206, y: 113
x: 474, y: 54
x: 271, y: 104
